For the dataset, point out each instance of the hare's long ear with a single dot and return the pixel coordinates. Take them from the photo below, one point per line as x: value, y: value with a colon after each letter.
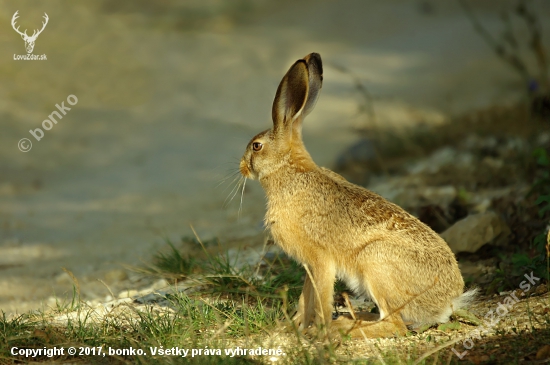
x: 315, y: 76
x: 291, y: 98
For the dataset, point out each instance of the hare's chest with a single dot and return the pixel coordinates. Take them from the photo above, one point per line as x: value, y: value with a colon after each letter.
x: 288, y: 232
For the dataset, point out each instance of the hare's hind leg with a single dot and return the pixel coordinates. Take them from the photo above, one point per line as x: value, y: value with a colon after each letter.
x: 389, y: 324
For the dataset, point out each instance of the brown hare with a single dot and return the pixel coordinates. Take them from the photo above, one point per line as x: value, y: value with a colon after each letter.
x: 338, y: 229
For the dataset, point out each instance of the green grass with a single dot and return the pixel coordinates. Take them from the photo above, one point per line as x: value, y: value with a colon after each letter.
x: 234, y: 307
x: 191, y: 324
x: 173, y: 263
x: 218, y: 275
x: 227, y: 308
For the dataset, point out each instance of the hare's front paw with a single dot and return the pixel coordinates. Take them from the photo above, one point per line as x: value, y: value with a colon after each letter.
x: 298, y: 321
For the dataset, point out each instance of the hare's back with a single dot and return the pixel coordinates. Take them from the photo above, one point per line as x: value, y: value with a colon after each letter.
x: 364, y: 212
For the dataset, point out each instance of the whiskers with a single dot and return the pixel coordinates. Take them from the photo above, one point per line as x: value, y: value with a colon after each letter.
x: 238, y: 183
x: 242, y: 195
x: 235, y: 175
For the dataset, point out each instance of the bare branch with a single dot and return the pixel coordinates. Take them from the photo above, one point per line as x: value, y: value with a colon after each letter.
x: 512, y: 59
x: 535, y: 32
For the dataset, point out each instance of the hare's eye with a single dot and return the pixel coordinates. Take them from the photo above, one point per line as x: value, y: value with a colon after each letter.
x: 256, y: 146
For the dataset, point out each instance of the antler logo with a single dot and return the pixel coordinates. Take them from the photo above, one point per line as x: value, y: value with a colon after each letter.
x: 29, y: 41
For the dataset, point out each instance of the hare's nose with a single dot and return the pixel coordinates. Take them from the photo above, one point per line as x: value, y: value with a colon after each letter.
x: 243, y: 167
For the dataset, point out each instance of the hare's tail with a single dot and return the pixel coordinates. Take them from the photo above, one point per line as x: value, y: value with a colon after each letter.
x: 463, y: 301
x: 466, y: 299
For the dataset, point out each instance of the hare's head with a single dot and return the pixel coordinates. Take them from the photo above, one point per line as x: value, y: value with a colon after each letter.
x: 282, y: 145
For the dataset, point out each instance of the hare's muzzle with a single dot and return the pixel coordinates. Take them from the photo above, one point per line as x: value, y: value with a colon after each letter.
x: 243, y: 167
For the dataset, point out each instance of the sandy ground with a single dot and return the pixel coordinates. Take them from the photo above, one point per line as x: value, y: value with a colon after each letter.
x: 168, y: 97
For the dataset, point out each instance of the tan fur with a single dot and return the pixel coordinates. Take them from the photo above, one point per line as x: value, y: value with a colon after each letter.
x: 338, y: 229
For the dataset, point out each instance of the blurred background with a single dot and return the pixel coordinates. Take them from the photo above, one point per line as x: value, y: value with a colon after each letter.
x: 170, y: 92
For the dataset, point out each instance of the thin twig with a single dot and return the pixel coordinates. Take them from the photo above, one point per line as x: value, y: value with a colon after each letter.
x: 369, y: 107
x: 511, y: 59
x: 536, y: 44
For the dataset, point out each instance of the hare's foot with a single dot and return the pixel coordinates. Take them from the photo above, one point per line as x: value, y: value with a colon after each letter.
x: 390, y: 326
x: 320, y: 332
x: 362, y: 316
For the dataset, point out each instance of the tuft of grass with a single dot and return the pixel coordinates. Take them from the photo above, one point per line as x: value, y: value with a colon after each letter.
x: 217, y: 274
x: 173, y: 262
x: 170, y: 264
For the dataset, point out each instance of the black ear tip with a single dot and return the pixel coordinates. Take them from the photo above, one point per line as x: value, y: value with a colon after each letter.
x: 315, y: 56
x: 314, y: 60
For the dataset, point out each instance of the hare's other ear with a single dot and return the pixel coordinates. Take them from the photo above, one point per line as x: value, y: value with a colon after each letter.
x: 291, y: 98
x: 315, y: 74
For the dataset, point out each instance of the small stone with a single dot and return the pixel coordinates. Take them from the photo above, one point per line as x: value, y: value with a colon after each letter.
x: 440, y: 195
x: 128, y: 294
x: 160, y: 284
x: 115, y: 276
x: 474, y: 231
x: 493, y: 163
x: 482, y: 206
x: 541, y: 289
x: 470, y: 269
